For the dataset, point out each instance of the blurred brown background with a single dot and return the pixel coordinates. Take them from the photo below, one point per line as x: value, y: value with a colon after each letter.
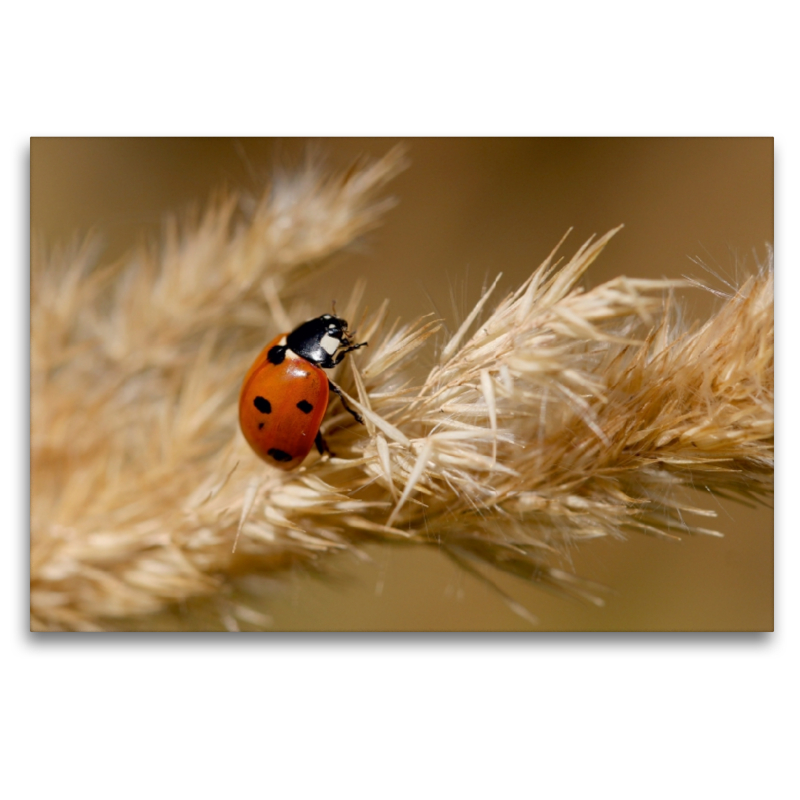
x: 468, y: 209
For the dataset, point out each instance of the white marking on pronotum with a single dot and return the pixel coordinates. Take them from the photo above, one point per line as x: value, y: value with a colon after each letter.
x: 329, y: 344
x: 291, y: 354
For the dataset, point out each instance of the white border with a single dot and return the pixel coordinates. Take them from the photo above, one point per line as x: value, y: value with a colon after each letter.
x: 639, y: 716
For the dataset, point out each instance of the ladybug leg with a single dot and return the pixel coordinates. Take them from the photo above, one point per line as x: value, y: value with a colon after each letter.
x: 334, y: 388
x: 322, y: 445
x: 346, y: 350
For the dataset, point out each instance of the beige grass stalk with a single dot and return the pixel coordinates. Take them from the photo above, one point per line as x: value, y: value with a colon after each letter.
x: 558, y: 415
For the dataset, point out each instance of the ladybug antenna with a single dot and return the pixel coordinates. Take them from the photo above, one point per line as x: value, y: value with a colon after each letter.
x: 333, y: 303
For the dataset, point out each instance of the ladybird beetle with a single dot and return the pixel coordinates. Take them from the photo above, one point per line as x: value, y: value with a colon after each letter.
x: 285, y: 393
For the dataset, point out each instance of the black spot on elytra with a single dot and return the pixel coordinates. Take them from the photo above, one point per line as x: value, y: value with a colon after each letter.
x: 263, y: 405
x: 278, y: 455
x: 260, y: 425
x: 276, y: 354
x: 305, y: 406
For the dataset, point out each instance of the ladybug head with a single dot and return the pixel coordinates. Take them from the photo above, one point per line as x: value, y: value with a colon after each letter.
x: 323, y: 341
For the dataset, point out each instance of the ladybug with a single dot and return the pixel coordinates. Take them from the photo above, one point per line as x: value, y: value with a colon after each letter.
x: 285, y: 393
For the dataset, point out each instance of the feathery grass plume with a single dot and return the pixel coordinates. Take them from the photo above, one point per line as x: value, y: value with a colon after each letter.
x: 558, y: 416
